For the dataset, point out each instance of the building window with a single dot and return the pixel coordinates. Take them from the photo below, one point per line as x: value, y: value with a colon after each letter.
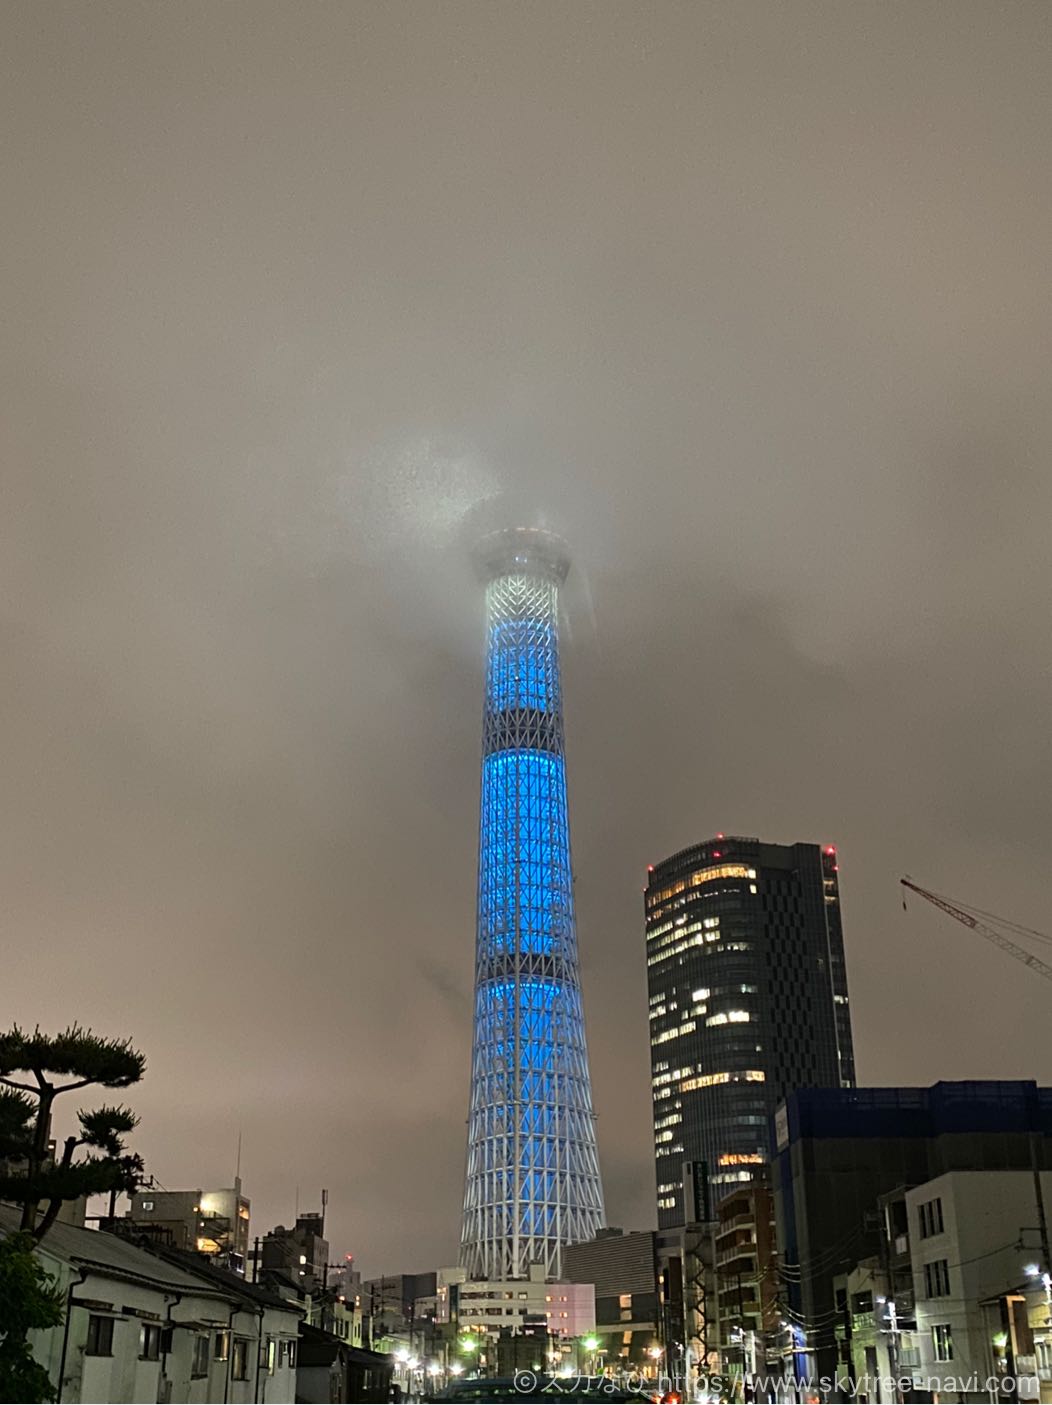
x: 272, y: 1355
x: 937, y: 1279
x: 222, y: 1351
x: 942, y: 1342
x: 931, y: 1218
x: 239, y: 1369
x: 100, y: 1336
x: 150, y: 1342
x: 147, y: 1206
x: 200, y: 1362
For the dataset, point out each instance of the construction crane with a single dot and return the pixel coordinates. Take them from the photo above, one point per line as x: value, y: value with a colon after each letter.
x: 980, y: 921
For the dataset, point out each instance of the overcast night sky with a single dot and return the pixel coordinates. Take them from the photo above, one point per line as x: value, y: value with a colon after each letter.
x: 752, y: 299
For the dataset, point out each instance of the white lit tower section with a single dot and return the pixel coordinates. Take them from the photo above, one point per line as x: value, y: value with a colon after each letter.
x: 532, y: 1181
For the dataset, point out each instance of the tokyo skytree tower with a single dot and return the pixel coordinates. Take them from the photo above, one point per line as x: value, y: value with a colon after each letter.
x: 532, y: 1169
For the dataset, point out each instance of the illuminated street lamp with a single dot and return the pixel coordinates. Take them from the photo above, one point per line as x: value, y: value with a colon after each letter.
x: 591, y: 1345
x: 405, y: 1361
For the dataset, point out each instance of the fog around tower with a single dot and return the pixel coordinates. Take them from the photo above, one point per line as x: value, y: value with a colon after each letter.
x: 751, y: 300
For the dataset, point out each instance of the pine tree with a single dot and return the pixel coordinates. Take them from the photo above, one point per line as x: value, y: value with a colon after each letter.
x: 59, y: 1064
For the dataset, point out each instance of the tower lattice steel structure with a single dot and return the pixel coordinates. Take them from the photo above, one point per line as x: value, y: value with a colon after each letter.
x: 532, y: 1169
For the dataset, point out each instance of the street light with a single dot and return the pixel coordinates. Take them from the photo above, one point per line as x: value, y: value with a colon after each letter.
x: 1045, y: 1279
x: 406, y: 1362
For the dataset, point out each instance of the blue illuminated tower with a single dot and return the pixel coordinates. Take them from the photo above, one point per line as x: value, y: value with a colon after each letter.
x: 532, y: 1168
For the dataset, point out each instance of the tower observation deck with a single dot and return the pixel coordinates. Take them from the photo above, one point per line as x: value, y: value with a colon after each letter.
x: 532, y: 1181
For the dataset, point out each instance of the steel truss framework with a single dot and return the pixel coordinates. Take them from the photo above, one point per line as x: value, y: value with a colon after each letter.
x: 532, y: 1168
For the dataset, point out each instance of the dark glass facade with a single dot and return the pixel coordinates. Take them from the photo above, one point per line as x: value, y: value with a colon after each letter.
x: 748, y: 1001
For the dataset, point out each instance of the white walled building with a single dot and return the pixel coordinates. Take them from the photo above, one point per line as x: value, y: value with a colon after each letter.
x: 971, y: 1235
x: 568, y: 1309
x: 139, y: 1327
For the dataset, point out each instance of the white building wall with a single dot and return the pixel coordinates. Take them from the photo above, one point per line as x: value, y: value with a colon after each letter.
x: 123, y: 1378
x: 985, y: 1216
x: 569, y: 1308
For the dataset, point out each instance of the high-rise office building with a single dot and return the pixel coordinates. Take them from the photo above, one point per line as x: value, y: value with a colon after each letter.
x: 748, y: 1002
x: 532, y: 1180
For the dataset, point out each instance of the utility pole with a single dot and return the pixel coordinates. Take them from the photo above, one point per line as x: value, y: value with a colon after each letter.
x: 741, y: 1328
x: 1039, y: 1196
x: 892, y: 1329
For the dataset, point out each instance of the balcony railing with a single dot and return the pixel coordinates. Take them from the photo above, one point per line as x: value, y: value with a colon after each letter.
x: 740, y: 1251
x: 738, y: 1222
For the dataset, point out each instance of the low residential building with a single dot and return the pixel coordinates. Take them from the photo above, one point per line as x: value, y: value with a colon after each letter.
x: 139, y: 1326
x: 346, y: 1279
x: 341, y: 1317
x: 840, y: 1152
x: 299, y: 1254
x: 866, y: 1331
x: 746, y: 1278
x: 332, y: 1370
x: 969, y: 1232
x: 688, y: 1317
x: 210, y: 1222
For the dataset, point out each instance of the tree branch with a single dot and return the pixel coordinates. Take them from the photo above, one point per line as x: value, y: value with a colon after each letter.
x: 50, y: 1216
x: 22, y: 1087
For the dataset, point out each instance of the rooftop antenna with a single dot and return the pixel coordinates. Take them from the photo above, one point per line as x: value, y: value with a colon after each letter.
x: 237, y: 1172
